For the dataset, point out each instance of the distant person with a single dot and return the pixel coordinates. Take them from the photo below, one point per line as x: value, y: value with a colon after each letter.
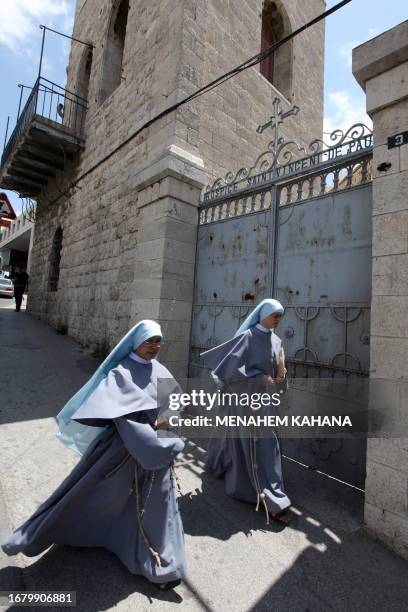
x: 20, y: 284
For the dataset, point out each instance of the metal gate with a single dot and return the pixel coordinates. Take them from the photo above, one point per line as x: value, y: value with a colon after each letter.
x: 298, y: 229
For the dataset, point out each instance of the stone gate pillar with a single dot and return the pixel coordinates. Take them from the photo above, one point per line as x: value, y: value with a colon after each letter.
x: 168, y: 198
x: 381, y: 68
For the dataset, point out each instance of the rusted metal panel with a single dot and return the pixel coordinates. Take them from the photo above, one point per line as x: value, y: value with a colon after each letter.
x: 325, y: 249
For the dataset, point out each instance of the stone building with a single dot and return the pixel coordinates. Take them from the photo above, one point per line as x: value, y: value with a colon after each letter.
x: 119, y: 246
x: 16, y: 243
x: 117, y: 213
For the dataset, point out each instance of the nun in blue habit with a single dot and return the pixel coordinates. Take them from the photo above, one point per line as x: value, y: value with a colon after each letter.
x: 251, y: 464
x: 121, y: 495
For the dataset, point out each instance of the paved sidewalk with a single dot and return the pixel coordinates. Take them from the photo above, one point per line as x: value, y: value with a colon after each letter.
x: 323, y: 562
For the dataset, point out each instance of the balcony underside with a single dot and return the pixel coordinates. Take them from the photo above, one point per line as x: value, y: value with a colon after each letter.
x: 40, y: 152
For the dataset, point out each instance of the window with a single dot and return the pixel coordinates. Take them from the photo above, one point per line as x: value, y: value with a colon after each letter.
x: 268, y: 38
x: 114, y: 48
x: 276, y: 68
x: 55, y: 260
x: 78, y: 113
x: 84, y: 73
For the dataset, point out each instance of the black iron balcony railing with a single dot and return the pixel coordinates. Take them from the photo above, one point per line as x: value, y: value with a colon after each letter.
x: 49, y: 101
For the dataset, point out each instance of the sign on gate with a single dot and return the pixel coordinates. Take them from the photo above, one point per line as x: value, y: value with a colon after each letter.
x: 273, y: 164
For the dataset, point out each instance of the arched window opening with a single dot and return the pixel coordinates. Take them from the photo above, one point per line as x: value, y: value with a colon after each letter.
x: 77, y: 114
x: 277, y: 67
x: 114, y: 49
x: 84, y: 74
x: 55, y: 260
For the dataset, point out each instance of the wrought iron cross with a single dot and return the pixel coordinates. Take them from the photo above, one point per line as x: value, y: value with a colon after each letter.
x: 277, y: 117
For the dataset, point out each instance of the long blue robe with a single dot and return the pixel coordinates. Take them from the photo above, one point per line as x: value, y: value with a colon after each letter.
x: 121, y: 495
x: 251, y: 464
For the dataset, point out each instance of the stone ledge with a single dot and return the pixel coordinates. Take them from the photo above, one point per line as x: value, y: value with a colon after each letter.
x: 380, y: 54
x: 387, y: 89
x: 176, y: 162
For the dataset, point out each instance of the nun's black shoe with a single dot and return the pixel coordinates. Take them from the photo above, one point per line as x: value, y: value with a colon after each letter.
x: 167, y: 586
x: 281, y: 517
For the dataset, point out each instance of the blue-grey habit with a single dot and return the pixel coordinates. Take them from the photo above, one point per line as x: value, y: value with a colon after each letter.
x: 121, y: 495
x: 251, y: 464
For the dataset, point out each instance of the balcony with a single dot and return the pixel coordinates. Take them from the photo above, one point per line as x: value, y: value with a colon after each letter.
x: 47, y: 135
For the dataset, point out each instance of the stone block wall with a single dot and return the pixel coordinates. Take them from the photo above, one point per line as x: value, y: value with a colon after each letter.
x: 218, y: 36
x: 381, y: 68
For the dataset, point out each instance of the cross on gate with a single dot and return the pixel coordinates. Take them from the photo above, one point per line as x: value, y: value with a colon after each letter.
x: 277, y: 117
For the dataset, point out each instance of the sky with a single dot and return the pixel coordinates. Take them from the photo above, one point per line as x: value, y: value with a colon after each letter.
x: 20, y: 43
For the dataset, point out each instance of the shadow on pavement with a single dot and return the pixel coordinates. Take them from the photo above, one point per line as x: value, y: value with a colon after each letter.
x: 340, y: 568
x: 334, y: 502
x: 97, y: 576
x: 40, y: 369
x: 356, y: 574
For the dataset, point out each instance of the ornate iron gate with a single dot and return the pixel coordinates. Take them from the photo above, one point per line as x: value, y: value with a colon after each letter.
x: 298, y: 229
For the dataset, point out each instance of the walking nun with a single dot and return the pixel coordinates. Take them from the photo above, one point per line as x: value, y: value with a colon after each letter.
x: 251, y: 464
x: 121, y: 494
